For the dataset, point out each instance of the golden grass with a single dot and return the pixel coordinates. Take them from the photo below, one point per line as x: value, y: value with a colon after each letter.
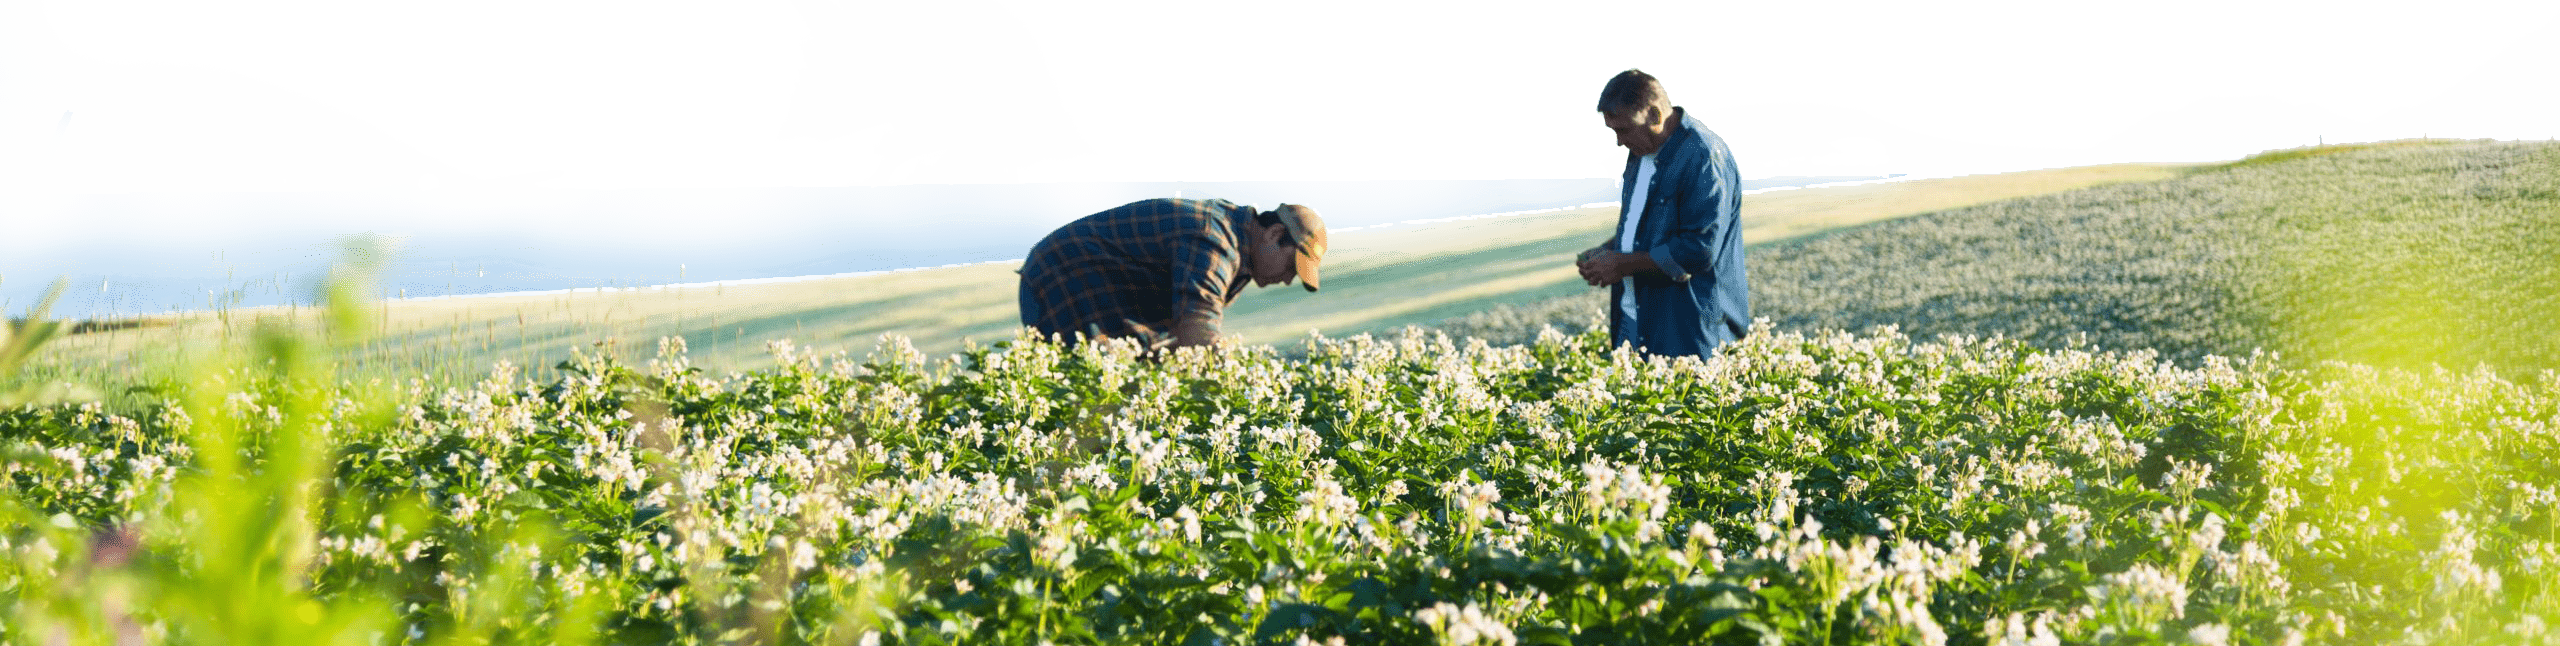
x: 1376, y: 279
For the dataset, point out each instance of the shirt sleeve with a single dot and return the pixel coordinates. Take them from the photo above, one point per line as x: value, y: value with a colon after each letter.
x: 1704, y: 205
x: 1204, y: 263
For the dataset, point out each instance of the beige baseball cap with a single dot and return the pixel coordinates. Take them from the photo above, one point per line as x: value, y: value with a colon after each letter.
x: 1308, y: 231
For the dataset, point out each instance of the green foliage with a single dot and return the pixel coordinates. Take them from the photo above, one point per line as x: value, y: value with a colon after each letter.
x: 1834, y: 488
x: 19, y: 341
x: 215, y: 528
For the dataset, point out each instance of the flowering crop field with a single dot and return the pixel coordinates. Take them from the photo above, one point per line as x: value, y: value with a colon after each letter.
x: 2054, y: 429
x: 2398, y: 254
x: 1795, y: 488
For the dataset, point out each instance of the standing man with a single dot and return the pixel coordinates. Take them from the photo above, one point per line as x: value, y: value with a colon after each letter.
x: 1163, y: 271
x: 1675, y: 267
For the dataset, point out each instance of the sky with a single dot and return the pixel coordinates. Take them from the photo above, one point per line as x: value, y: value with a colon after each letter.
x: 2512, y: 96
x: 966, y: 78
x: 165, y: 180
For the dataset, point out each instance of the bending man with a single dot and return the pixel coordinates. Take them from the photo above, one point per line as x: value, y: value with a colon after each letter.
x: 1163, y: 271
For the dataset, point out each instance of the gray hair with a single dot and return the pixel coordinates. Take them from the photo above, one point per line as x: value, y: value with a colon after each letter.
x: 1632, y: 90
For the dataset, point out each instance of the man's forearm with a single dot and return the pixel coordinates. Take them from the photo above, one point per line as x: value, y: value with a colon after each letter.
x: 1638, y: 263
x: 1194, y: 330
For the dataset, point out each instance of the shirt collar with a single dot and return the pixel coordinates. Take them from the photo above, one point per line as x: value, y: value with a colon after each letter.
x: 1679, y: 128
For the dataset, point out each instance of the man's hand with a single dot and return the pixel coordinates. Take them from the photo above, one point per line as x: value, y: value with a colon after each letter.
x: 1602, y: 267
x: 1588, y: 253
x: 1584, y: 263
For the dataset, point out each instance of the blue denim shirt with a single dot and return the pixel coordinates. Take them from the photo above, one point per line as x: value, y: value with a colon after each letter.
x: 1692, y: 226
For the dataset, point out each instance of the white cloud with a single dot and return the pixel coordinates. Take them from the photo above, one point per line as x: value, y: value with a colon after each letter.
x: 175, y: 129
x: 953, y: 75
x: 2512, y: 96
x: 968, y: 80
x: 948, y: 75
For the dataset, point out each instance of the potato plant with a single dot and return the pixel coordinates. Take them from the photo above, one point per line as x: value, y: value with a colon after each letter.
x: 1796, y: 488
x: 2055, y: 427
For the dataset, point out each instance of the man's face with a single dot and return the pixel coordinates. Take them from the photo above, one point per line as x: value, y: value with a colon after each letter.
x: 1273, y: 263
x: 1642, y: 130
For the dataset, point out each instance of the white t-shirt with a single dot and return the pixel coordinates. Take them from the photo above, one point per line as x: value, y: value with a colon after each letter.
x: 1633, y: 213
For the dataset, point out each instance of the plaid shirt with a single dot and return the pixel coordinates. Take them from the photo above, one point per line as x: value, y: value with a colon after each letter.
x: 1134, y: 270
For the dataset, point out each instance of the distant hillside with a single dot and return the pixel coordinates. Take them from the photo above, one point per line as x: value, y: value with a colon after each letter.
x: 2392, y: 254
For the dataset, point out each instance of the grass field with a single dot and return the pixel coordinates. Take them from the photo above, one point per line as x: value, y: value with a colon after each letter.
x: 1377, y: 280
x: 2403, y: 254
x: 317, y: 484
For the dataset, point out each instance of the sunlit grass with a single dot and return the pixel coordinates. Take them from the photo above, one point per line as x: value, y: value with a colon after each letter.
x: 1378, y: 280
x: 2401, y: 253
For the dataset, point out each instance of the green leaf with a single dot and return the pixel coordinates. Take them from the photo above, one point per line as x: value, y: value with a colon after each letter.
x: 1202, y: 636
x: 1544, y: 636
x: 1711, y: 617
x: 2214, y: 507
x: 1291, y: 620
